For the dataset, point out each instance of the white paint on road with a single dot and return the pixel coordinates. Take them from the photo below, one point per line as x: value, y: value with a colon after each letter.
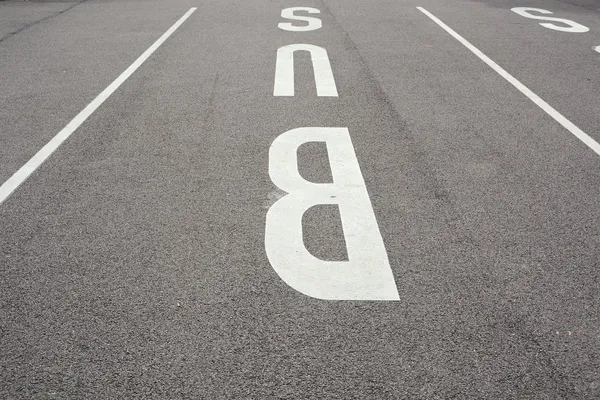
x: 42, y: 155
x: 367, y: 274
x: 572, y: 27
x: 597, y: 48
x: 558, y: 117
x: 284, y: 70
x: 289, y: 13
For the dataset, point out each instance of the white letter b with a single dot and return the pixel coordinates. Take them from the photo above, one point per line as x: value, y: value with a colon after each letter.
x: 367, y: 274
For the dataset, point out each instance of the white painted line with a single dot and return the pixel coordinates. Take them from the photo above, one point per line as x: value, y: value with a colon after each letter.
x: 26, y: 170
x: 597, y: 48
x: 581, y: 135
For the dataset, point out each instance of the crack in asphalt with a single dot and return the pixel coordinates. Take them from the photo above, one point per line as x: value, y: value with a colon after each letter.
x: 26, y: 26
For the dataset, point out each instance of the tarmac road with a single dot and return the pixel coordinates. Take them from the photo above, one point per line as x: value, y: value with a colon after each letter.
x: 134, y: 263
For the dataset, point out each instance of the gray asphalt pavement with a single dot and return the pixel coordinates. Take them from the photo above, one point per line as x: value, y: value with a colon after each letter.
x: 133, y: 261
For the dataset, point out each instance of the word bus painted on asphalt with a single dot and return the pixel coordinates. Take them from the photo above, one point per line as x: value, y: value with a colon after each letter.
x: 367, y: 274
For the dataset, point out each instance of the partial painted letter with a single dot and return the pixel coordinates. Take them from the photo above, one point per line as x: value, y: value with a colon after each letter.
x: 284, y: 70
x: 572, y: 26
x: 289, y: 13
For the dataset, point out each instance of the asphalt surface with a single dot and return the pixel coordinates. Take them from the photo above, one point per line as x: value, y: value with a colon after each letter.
x: 133, y: 261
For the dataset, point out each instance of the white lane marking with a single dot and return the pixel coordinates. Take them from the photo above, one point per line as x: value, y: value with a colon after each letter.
x: 558, y: 117
x: 42, y: 155
x: 367, y: 274
x: 597, y: 48
x: 573, y: 26
x: 313, y: 23
x: 284, y: 70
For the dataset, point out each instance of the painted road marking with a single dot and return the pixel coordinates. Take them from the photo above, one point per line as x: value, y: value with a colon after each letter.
x: 558, y: 117
x: 313, y: 23
x: 367, y: 274
x: 42, y: 155
x: 597, y: 48
x: 573, y: 26
x: 284, y: 70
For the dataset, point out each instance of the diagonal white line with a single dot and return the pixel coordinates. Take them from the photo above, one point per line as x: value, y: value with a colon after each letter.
x: 558, y: 117
x: 42, y: 155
